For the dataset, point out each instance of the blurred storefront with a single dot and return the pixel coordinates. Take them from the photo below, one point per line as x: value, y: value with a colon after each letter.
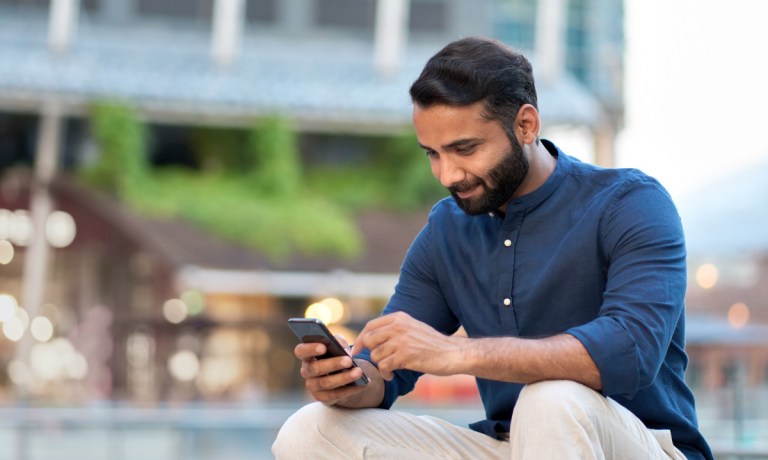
x: 153, y: 310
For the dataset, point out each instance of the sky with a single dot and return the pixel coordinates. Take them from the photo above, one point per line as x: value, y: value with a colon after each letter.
x: 696, y: 90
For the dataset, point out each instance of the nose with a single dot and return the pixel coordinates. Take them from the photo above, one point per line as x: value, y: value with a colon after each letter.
x: 448, y: 172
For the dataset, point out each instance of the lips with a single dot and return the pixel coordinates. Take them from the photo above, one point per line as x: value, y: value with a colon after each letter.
x: 466, y: 193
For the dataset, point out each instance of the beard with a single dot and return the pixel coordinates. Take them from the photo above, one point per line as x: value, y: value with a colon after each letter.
x: 505, y: 178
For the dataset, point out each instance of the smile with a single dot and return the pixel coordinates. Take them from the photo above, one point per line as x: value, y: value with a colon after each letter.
x: 464, y: 194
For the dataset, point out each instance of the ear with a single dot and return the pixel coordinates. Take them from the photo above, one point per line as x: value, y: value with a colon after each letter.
x: 527, y: 124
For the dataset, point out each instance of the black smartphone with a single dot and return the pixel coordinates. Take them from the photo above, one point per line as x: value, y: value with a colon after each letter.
x: 311, y: 330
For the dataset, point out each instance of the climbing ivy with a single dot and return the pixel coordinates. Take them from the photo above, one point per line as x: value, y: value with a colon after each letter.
x: 258, y: 200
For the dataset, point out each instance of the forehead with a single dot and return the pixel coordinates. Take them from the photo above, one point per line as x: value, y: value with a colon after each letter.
x: 441, y: 124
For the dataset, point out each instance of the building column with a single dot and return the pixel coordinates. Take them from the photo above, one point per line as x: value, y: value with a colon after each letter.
x: 37, y: 256
x: 549, y: 46
x: 62, y: 24
x: 390, y: 35
x: 227, y: 33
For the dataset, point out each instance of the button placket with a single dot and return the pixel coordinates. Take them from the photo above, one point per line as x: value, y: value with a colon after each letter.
x: 506, y: 242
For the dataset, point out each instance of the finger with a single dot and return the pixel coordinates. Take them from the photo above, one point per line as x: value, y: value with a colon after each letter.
x: 333, y: 396
x: 305, y: 351
x: 386, y: 374
x: 333, y: 382
x: 371, y: 337
x: 319, y: 367
x: 370, y: 327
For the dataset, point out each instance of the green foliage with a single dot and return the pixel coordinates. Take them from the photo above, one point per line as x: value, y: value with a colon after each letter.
x: 410, y: 180
x: 232, y: 209
x: 217, y: 150
x: 398, y: 177
x: 122, y: 164
x: 251, y: 195
x: 251, y: 188
x: 273, y: 148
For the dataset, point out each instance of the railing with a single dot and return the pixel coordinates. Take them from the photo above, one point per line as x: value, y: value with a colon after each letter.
x: 188, y: 432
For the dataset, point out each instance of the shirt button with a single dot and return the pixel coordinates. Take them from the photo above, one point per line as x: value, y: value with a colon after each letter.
x: 507, y: 243
x: 507, y: 302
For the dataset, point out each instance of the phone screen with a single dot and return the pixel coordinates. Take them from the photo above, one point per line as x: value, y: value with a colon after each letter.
x: 311, y: 330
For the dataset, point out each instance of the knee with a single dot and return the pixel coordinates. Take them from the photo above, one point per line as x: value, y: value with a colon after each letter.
x: 557, y: 400
x: 301, y: 430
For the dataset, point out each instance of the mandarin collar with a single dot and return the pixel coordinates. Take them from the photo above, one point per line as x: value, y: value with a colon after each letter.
x: 554, y: 180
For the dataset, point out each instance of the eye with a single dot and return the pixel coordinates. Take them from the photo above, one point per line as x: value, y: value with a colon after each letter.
x: 431, y: 154
x: 466, y: 150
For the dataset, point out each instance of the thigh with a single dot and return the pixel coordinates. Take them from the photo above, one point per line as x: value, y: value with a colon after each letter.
x: 330, y: 432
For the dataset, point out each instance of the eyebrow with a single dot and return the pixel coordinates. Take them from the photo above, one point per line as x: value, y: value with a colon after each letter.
x: 459, y: 143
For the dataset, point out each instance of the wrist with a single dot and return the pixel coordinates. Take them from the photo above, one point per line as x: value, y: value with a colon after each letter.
x: 459, y: 356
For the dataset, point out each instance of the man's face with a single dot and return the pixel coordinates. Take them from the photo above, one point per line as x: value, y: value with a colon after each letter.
x: 471, y: 156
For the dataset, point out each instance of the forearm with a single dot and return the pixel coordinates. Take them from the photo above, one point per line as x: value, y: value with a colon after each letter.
x: 372, y: 395
x: 512, y: 359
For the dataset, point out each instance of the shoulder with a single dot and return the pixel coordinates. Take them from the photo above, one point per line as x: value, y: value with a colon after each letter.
x: 615, y: 184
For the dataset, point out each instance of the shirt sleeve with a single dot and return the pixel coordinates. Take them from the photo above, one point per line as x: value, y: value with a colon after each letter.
x: 418, y: 294
x: 644, y: 248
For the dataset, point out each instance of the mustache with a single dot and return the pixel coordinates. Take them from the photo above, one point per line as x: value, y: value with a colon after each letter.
x: 465, y: 186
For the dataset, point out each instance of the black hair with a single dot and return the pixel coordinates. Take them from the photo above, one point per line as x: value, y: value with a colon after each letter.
x: 476, y: 69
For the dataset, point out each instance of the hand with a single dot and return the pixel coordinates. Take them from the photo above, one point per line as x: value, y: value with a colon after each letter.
x: 398, y: 341
x: 327, y: 380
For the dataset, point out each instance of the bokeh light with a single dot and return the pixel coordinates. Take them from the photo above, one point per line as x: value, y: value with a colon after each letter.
x: 329, y: 310
x: 184, y: 366
x: 77, y: 367
x: 18, y: 373
x: 13, y: 329
x: 140, y: 347
x: 21, y: 228
x: 175, y: 310
x: 738, y: 315
x: 194, y: 300
x: 6, y: 252
x: 6, y: 220
x: 23, y: 317
x: 60, y: 229
x: 8, y: 307
x: 707, y: 276
x: 41, y: 329
x: 56, y: 360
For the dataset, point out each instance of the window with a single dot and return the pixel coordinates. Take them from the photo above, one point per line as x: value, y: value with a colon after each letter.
x: 181, y: 9
x: 428, y: 16
x: 359, y: 14
x: 515, y: 22
x: 261, y: 11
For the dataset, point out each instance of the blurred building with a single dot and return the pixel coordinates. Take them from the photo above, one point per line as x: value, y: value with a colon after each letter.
x: 162, y: 310
x: 728, y: 284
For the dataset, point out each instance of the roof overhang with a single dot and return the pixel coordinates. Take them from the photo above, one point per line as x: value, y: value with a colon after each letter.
x: 321, y: 83
x: 286, y: 284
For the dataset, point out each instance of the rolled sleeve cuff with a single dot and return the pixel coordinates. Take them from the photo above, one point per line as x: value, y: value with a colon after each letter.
x: 614, y: 353
x: 390, y: 387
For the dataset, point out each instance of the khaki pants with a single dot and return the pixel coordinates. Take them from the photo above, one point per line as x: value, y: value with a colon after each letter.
x: 556, y: 420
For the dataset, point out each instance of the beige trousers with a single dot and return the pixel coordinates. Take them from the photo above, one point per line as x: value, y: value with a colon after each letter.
x: 556, y: 420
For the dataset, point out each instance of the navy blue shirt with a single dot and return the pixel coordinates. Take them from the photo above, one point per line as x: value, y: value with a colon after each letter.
x: 596, y: 253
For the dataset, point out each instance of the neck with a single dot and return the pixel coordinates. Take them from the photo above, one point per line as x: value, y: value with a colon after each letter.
x: 541, y: 164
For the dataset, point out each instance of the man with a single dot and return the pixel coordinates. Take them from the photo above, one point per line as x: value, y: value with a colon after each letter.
x: 568, y: 279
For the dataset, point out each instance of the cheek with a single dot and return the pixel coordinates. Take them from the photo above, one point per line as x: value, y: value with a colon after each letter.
x: 434, y: 165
